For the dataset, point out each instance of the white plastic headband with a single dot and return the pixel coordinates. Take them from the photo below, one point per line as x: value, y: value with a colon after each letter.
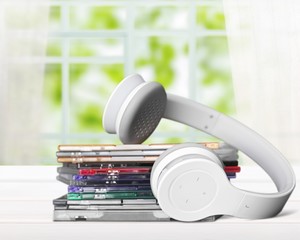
x: 201, y: 117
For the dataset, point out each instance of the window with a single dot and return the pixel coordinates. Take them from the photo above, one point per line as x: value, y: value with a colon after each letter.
x: 93, y: 44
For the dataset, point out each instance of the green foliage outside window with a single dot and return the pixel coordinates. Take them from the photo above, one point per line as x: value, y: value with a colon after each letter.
x: 90, y: 83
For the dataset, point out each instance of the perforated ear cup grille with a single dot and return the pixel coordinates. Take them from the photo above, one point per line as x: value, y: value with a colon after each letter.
x: 142, y: 114
x: 147, y: 119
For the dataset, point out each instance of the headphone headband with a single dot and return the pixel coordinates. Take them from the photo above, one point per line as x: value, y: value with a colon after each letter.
x: 252, y: 205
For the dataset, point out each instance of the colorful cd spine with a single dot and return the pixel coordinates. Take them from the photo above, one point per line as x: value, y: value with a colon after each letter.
x: 112, y: 171
x: 111, y: 177
x: 116, y: 195
x: 124, y: 188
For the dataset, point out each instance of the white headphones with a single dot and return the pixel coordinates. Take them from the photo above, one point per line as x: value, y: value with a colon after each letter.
x: 188, y: 180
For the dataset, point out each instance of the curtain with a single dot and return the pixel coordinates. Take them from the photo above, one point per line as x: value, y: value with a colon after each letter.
x: 23, y: 35
x: 264, y: 47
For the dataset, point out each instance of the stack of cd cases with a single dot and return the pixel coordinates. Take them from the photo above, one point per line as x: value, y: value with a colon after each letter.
x: 112, y: 182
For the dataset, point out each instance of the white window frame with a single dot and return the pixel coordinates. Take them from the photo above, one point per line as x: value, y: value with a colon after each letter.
x: 128, y: 34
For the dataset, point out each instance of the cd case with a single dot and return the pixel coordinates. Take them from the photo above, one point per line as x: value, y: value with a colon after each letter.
x: 111, y: 210
x: 124, y: 170
x: 67, y: 179
x: 106, y: 189
x: 111, y: 195
x: 111, y: 215
x: 121, y: 215
x: 130, y: 153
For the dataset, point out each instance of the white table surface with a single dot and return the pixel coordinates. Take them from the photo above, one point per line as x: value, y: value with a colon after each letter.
x: 26, y: 213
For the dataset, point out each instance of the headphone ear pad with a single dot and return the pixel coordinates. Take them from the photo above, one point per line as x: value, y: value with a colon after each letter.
x: 117, y: 98
x: 141, y: 112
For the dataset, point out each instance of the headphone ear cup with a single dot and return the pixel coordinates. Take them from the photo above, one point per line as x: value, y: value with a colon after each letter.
x: 117, y: 98
x: 190, y: 188
x: 175, y: 152
x: 141, y: 112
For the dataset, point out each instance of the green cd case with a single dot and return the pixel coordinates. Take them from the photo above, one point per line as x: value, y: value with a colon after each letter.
x: 111, y: 195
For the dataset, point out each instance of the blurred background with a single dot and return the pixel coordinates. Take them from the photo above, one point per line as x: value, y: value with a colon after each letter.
x: 93, y: 46
x: 61, y: 59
